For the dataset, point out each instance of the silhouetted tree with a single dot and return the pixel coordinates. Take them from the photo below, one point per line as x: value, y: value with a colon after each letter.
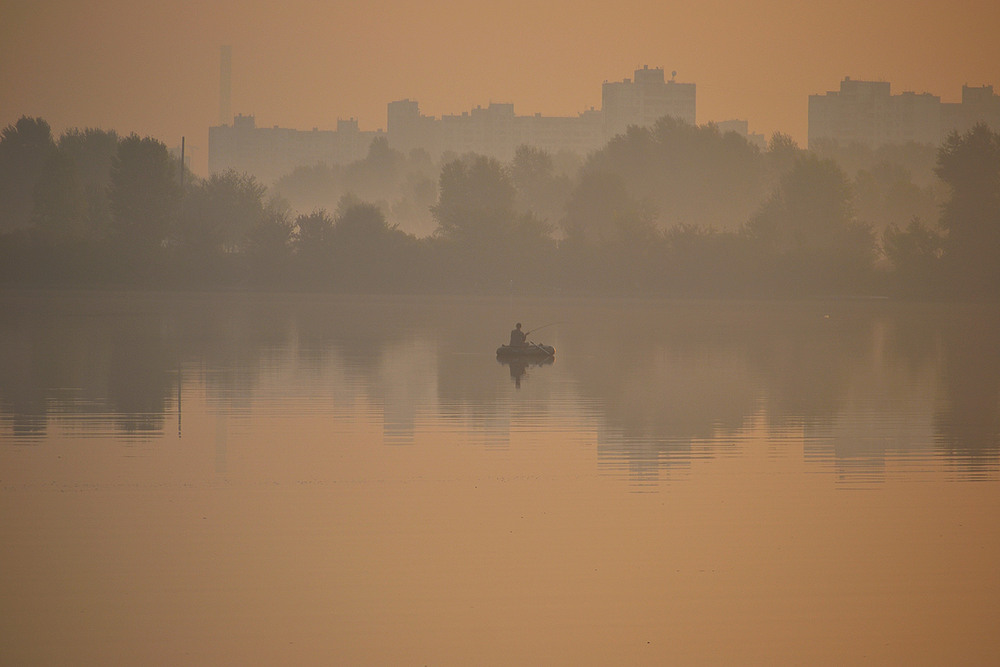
x: 313, y: 243
x: 481, y: 235
x: 782, y: 152
x: 808, y: 231
x: 378, y: 175
x: 24, y: 149
x: 611, y: 238
x: 220, y: 212
x: 693, y: 175
x: 412, y: 207
x: 810, y: 208
x: 917, y: 159
x: 312, y: 187
x: 707, y: 262
x: 60, y: 207
x: 369, y: 252
x: 602, y: 213
x: 475, y: 200
x: 539, y: 189
x: 269, y: 245
x: 970, y: 165
x: 886, y: 194
x: 143, y: 194
x: 915, y: 254
x: 71, y: 218
x: 92, y: 151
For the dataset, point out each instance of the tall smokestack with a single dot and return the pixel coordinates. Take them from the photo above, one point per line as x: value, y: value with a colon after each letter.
x: 225, y: 85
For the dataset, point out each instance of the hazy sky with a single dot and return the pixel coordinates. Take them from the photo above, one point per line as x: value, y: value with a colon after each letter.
x: 153, y: 67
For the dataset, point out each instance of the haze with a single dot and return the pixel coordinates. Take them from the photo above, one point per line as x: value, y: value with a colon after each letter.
x: 152, y: 68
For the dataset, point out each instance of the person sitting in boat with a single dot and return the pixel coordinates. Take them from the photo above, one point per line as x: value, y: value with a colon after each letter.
x: 518, y: 337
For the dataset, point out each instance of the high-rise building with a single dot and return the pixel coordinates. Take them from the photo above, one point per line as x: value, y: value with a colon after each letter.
x: 979, y: 105
x: 494, y: 130
x: 867, y: 113
x: 645, y: 99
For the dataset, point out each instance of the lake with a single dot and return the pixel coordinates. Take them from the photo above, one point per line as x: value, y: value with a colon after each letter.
x: 315, y: 479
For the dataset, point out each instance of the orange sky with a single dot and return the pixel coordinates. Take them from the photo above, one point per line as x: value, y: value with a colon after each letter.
x: 153, y: 67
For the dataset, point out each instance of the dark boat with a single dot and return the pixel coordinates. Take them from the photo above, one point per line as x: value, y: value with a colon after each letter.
x: 527, y: 351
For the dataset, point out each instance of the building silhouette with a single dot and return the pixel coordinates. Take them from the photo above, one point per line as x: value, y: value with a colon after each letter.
x: 270, y: 153
x: 867, y: 113
x: 644, y: 99
x: 742, y: 128
x: 494, y: 130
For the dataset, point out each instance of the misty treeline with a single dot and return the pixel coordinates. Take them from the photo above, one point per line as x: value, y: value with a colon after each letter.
x: 673, y: 209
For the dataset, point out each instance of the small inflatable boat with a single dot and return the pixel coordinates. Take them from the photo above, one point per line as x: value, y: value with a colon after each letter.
x: 526, y: 351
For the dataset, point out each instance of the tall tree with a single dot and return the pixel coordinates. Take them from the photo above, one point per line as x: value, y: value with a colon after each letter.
x: 970, y: 165
x: 693, y: 175
x: 808, y: 233
x: 602, y: 213
x: 915, y: 253
x: 71, y: 195
x: 220, y: 212
x: 92, y: 151
x: 143, y: 193
x: 490, y: 244
x: 475, y: 200
x: 611, y: 237
x: 60, y: 206
x: 810, y: 209
x: 539, y: 189
x: 25, y: 147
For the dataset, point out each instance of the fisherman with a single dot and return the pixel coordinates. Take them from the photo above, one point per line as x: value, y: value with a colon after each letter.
x: 517, y: 337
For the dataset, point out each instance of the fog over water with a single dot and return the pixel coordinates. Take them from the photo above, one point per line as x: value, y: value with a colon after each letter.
x: 269, y: 406
x: 204, y: 478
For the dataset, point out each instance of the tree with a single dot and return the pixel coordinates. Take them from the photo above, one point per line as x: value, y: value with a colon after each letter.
x: 886, y: 194
x: 782, y: 151
x: 970, y: 165
x: 810, y: 208
x: 311, y: 187
x: 314, y: 233
x: 539, y: 190
x: 378, y: 175
x: 611, y: 237
x: 220, y: 212
x: 25, y: 147
x: 475, y: 200
x: 143, y: 194
x: 807, y: 232
x: 60, y: 207
x: 602, y: 213
x: 692, y: 175
x: 368, y: 250
x: 313, y: 242
x: 71, y: 194
x: 480, y: 233
x: 915, y: 253
x: 269, y: 244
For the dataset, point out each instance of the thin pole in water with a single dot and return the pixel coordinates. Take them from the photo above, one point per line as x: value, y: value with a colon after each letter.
x: 182, y: 166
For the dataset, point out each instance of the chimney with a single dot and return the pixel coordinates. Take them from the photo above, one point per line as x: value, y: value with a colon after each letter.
x: 225, y: 85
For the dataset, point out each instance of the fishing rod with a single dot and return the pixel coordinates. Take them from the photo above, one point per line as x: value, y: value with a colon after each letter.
x: 542, y: 327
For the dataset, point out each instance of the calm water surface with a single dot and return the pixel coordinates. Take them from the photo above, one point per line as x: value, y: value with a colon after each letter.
x: 239, y: 479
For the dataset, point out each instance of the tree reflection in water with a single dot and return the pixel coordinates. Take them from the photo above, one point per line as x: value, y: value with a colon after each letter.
x: 858, y: 381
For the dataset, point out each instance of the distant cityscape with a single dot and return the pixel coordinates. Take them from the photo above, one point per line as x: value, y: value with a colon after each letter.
x: 860, y: 112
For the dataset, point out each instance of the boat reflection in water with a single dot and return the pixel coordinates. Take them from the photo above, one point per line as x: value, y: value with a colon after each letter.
x: 519, y: 364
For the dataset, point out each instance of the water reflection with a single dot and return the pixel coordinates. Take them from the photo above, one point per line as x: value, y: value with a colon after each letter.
x: 519, y: 367
x: 857, y: 385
